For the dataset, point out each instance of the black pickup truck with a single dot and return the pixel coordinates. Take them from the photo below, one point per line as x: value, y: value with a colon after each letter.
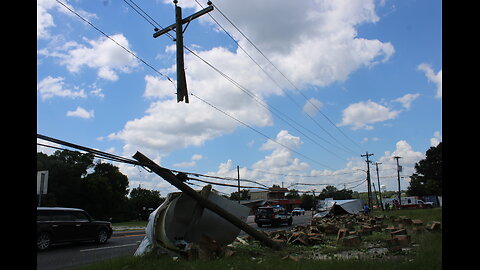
x: 273, y: 216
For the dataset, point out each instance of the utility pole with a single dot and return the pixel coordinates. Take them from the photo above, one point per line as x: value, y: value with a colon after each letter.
x: 398, y: 175
x: 375, y: 191
x: 378, y: 181
x: 314, y: 204
x: 182, y: 92
x: 238, y: 174
x: 369, y: 188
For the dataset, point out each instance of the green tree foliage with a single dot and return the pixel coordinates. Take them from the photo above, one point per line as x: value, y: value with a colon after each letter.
x: 244, y: 195
x: 292, y: 194
x: 66, y: 170
x: 143, y: 199
x: 307, y: 201
x: 74, y: 180
x: 333, y: 192
x: 105, y: 192
x: 427, y: 179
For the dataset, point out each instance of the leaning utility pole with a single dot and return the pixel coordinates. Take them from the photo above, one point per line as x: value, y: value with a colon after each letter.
x: 378, y: 181
x: 398, y: 175
x: 369, y: 188
x: 178, y: 28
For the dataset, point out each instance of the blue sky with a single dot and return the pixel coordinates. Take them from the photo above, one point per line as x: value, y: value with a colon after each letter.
x: 373, y: 68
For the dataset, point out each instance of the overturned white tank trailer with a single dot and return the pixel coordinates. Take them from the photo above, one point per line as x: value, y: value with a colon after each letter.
x: 180, y: 221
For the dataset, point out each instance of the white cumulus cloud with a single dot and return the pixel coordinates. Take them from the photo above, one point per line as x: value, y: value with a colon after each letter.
x: 81, y: 112
x: 50, y: 87
x: 436, y: 78
x: 360, y: 115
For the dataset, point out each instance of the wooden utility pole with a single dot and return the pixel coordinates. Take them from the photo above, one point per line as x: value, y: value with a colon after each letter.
x: 204, y: 202
x: 378, y: 181
x: 398, y: 175
x: 238, y: 174
x: 369, y: 187
x: 182, y: 93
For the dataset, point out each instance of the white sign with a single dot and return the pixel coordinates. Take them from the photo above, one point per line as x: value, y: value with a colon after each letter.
x: 42, y: 182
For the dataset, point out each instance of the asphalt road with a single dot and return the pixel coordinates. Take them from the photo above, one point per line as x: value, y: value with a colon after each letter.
x: 66, y: 256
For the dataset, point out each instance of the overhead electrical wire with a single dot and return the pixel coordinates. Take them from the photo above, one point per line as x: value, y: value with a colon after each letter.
x: 294, y: 86
x: 283, y: 91
x: 123, y: 47
x: 252, y: 95
x: 116, y: 158
x: 259, y: 132
x: 121, y: 159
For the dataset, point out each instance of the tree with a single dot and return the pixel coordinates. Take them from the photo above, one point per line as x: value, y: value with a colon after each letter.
x: 307, y: 201
x: 66, y: 169
x: 244, y: 195
x: 332, y: 192
x: 105, y: 192
x: 76, y: 181
x: 292, y: 194
x: 141, y: 199
x: 427, y: 179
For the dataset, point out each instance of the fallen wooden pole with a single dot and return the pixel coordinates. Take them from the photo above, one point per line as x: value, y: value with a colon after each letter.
x: 172, y: 179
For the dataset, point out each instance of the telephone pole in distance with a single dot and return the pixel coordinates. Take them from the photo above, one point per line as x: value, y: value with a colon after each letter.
x: 378, y: 181
x: 369, y: 188
x: 398, y: 177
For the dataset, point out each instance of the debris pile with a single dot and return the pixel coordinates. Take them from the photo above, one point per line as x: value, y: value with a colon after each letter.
x: 349, y: 230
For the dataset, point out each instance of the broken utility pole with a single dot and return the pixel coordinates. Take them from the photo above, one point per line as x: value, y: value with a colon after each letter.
x: 182, y: 92
x: 204, y: 202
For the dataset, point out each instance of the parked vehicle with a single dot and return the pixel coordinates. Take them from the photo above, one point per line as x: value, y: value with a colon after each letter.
x: 408, y: 202
x: 56, y: 224
x: 298, y: 212
x: 273, y: 216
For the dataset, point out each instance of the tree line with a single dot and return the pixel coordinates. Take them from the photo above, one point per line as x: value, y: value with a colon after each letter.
x: 75, y: 180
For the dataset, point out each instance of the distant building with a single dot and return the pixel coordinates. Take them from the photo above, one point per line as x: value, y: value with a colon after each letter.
x: 273, y: 193
x: 272, y: 196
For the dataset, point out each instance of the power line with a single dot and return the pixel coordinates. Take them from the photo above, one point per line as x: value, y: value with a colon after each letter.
x: 276, y: 111
x: 96, y: 28
x: 311, y: 103
x: 123, y: 47
x: 259, y: 132
x: 116, y: 158
x: 279, y: 87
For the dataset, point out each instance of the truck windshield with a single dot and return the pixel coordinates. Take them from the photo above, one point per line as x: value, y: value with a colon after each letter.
x: 264, y: 211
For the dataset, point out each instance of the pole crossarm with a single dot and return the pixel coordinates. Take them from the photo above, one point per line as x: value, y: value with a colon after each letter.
x: 182, y: 92
x: 184, y: 21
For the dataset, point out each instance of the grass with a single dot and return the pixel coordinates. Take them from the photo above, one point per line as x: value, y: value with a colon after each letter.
x: 427, y: 254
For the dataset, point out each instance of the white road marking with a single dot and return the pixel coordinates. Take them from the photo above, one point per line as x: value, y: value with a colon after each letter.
x: 93, y: 249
